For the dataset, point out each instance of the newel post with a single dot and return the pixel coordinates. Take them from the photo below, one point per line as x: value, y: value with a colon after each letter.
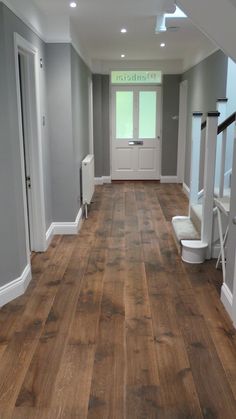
x: 221, y: 148
x: 195, y: 157
x: 209, y: 179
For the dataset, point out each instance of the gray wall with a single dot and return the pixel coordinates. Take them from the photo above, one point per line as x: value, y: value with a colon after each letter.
x: 101, y: 124
x: 170, y: 94
x: 13, y: 257
x: 64, y: 206
x: 80, y: 77
x: 65, y: 139
x: 206, y: 83
x: 68, y: 103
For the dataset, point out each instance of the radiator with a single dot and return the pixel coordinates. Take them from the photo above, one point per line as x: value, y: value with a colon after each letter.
x: 87, y: 180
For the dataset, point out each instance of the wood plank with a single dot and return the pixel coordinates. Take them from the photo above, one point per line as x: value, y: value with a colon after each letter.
x: 19, y: 352
x: 142, y: 379
x: 72, y: 387
x: 178, y: 393
x: 217, y: 320
x: 213, y: 389
x: 107, y: 390
x: 136, y: 334
x: 39, y: 381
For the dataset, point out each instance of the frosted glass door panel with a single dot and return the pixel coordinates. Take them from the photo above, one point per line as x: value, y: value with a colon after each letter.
x: 124, y: 115
x: 147, y: 114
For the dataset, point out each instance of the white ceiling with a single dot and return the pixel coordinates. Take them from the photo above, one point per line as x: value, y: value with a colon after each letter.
x: 98, y: 24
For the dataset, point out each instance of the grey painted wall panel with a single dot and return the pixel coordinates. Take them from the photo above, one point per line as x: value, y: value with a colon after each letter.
x: 58, y: 63
x: 170, y: 94
x: 12, y: 231
x: 101, y: 121
x: 206, y: 83
x: 68, y: 101
x: 80, y: 76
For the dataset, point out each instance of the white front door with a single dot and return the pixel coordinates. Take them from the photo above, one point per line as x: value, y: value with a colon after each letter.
x: 136, y: 132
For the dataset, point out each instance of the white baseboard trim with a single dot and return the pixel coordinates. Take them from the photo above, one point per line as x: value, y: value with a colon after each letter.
x: 49, y: 235
x: 16, y: 288
x: 227, y: 299
x: 64, y: 228
x: 186, y: 189
x: 102, y: 180
x: 169, y: 179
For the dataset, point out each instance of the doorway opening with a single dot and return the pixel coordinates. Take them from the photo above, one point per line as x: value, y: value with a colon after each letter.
x: 27, y: 65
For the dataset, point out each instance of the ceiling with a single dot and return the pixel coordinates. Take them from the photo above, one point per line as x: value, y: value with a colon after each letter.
x: 98, y: 24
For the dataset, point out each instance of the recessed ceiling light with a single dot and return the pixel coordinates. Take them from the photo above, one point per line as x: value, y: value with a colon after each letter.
x: 122, y: 55
x: 162, y: 45
x: 123, y: 30
x: 73, y: 4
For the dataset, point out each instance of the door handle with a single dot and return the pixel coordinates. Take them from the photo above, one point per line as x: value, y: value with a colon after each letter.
x: 135, y: 142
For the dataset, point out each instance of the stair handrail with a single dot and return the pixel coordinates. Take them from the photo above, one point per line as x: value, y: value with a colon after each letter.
x: 203, y: 126
x: 226, y: 123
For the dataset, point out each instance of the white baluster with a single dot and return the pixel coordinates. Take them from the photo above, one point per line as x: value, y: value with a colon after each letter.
x: 195, y: 157
x: 209, y: 179
x: 222, y: 108
x: 222, y: 163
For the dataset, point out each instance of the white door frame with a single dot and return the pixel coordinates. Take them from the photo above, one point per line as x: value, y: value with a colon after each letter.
x: 91, y: 137
x: 182, y: 135
x: 34, y: 128
x: 124, y: 87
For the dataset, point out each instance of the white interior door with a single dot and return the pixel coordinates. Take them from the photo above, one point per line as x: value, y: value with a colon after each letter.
x: 136, y: 132
x: 26, y: 143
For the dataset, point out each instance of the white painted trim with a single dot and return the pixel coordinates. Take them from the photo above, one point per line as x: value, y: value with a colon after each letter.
x: 34, y: 127
x: 90, y: 110
x: 227, y: 299
x: 186, y: 190
x: 49, y: 235
x: 169, y: 179
x: 135, y: 174
x: 65, y: 228
x: 15, y: 288
x: 182, y: 132
x: 102, y: 180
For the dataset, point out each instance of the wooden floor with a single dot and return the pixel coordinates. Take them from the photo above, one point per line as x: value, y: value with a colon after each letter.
x: 115, y: 326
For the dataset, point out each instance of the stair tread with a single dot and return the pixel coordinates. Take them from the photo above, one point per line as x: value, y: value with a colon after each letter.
x: 184, y: 229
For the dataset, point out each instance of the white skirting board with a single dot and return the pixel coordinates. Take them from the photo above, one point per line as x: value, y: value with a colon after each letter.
x: 186, y: 189
x: 16, y: 287
x: 169, y: 179
x: 102, y: 180
x: 227, y: 299
x: 64, y: 228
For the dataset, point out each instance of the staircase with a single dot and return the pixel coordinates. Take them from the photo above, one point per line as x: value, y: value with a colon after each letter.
x: 196, y: 233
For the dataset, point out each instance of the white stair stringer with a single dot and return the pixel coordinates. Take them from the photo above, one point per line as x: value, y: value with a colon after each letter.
x: 196, y: 216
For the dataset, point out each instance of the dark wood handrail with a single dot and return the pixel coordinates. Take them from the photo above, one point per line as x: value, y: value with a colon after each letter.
x: 225, y: 124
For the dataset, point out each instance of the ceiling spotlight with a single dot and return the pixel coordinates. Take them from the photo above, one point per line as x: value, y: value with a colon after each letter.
x: 122, y: 55
x: 73, y: 4
x: 162, y: 45
x: 123, y: 30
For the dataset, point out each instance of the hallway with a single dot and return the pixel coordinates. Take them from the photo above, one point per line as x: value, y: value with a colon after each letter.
x: 114, y: 325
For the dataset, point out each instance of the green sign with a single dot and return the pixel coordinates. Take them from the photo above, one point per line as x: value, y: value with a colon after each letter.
x: 136, y: 77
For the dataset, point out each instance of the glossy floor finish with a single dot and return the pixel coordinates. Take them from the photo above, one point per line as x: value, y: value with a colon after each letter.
x: 115, y: 326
